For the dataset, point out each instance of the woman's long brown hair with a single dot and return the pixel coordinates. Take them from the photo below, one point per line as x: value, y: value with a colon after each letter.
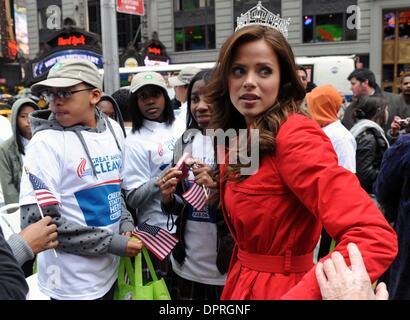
x: 226, y: 116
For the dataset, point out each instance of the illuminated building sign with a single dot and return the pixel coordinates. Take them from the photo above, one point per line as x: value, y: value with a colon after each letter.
x: 41, y: 67
x: 71, y: 41
x: 154, y: 51
x: 155, y: 56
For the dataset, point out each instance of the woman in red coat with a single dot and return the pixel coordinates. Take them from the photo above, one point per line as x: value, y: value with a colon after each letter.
x: 276, y: 213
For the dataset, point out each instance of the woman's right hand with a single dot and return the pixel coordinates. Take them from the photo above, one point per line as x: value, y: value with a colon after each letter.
x: 168, y: 185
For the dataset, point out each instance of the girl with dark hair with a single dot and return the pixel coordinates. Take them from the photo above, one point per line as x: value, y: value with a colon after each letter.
x: 370, y: 114
x: 200, y: 259
x: 149, y: 100
x: 149, y: 149
x: 276, y: 213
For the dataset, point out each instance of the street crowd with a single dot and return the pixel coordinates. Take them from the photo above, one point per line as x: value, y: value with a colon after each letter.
x: 323, y: 216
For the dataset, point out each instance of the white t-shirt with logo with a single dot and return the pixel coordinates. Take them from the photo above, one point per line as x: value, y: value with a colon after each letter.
x: 58, y: 158
x: 148, y: 152
x: 200, y: 230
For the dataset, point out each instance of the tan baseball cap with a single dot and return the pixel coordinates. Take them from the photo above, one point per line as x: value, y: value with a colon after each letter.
x: 68, y: 73
x: 145, y: 78
x: 184, y: 77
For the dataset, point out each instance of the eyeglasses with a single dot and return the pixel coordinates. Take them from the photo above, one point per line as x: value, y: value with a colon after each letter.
x: 62, y: 94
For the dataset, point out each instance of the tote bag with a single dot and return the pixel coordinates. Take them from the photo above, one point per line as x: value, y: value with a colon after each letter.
x: 134, y: 289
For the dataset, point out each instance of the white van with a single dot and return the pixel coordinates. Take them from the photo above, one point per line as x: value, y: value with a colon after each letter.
x: 332, y: 70
x: 127, y: 73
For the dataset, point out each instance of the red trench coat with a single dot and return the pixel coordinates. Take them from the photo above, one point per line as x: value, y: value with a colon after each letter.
x: 276, y: 216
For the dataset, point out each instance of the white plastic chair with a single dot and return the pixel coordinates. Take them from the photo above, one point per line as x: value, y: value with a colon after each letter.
x: 10, y: 222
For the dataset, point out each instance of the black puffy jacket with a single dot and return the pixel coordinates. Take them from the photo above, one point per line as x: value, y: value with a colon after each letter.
x: 369, y: 154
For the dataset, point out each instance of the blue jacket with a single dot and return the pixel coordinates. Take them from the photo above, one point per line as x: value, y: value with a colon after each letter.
x: 392, y: 189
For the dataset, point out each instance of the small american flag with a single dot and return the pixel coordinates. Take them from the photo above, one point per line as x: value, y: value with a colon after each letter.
x: 157, y: 240
x: 43, y: 195
x: 195, y: 196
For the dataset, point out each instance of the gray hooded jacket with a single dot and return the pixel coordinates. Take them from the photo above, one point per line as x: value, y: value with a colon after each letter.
x: 10, y: 177
x: 10, y: 156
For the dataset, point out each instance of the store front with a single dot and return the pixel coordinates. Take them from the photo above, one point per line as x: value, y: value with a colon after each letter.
x: 396, y: 47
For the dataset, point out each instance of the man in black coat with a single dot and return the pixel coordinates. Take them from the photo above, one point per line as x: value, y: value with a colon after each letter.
x: 13, y: 285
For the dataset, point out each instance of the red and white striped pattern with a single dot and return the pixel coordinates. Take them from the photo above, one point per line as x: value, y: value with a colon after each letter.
x: 157, y: 240
x: 45, y: 197
x: 195, y: 196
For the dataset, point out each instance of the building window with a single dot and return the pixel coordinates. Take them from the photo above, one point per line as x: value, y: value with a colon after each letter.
x: 327, y: 21
x: 241, y: 6
x: 186, y: 5
x: 195, y: 38
x: 395, y: 48
x: 194, y: 23
x: 127, y: 25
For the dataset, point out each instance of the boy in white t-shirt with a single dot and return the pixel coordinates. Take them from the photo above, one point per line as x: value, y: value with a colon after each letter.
x: 76, y: 152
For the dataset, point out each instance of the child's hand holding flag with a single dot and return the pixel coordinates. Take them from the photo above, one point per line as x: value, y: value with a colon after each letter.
x: 44, y: 197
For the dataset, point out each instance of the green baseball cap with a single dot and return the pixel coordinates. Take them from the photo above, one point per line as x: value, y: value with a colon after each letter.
x: 68, y: 73
x: 145, y: 78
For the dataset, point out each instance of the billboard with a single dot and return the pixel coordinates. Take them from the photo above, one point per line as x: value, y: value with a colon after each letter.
x: 20, y: 24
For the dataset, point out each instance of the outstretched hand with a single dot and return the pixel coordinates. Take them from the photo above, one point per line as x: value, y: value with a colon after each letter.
x: 337, y: 281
